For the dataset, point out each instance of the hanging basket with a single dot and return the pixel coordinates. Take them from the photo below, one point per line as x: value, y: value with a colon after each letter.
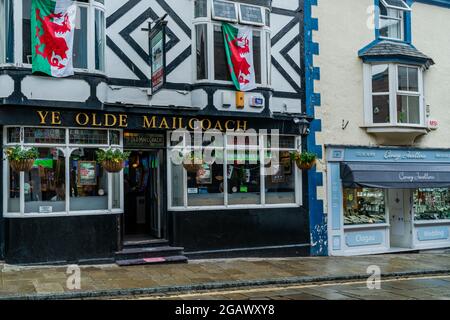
x: 112, y: 166
x: 22, y: 165
x: 192, y: 167
x: 305, y: 165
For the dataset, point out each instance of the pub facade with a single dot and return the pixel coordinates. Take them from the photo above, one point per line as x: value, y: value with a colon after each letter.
x: 145, y: 70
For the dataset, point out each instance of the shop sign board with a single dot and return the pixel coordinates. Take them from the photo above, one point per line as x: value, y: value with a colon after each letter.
x: 433, y: 233
x: 143, y: 140
x: 369, y: 238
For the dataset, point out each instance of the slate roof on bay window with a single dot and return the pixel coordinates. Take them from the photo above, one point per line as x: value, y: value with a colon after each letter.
x: 395, y: 50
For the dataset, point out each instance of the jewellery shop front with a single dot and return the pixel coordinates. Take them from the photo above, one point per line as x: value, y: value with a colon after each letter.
x: 387, y: 199
x: 69, y: 209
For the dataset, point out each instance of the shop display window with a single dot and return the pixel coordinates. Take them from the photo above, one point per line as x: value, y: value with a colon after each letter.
x: 432, y: 204
x: 364, y: 206
x: 65, y: 178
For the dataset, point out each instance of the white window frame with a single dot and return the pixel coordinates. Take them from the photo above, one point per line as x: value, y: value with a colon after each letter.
x: 67, y: 150
x: 393, y: 93
x: 401, y: 19
x: 263, y: 13
x: 404, y: 8
x: 214, y: 17
x: 266, y: 61
x: 261, y: 148
x: 91, y: 6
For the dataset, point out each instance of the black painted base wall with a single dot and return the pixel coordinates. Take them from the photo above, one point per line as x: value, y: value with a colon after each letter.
x: 233, y: 229
x: 61, y: 239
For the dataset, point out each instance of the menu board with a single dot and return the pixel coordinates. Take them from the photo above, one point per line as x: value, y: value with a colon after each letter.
x: 251, y: 14
x: 87, y: 173
x: 224, y: 10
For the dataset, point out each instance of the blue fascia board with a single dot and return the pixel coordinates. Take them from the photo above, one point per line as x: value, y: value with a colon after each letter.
x: 440, y: 3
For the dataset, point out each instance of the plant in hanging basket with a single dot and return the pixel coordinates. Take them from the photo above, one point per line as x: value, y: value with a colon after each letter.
x: 21, y: 159
x: 112, y: 160
x: 192, y: 163
x: 304, y: 160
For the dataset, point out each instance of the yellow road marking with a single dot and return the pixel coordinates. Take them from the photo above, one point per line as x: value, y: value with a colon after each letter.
x: 292, y: 287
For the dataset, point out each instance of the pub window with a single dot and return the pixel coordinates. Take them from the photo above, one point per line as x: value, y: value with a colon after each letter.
x: 209, y: 40
x: 396, y: 95
x: 242, y: 174
x: 87, y: 31
x: 65, y: 179
x: 6, y: 31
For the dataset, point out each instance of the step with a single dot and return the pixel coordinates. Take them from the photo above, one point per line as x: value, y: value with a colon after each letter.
x: 152, y: 261
x: 148, y: 252
x: 145, y: 243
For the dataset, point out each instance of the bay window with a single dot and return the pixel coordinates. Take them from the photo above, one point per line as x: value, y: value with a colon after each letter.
x: 364, y: 206
x: 210, y: 58
x: 394, y: 95
x: 431, y: 204
x: 89, y: 35
x: 245, y: 172
x: 65, y: 178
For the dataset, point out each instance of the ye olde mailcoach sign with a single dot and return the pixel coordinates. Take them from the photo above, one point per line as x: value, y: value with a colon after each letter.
x: 125, y: 121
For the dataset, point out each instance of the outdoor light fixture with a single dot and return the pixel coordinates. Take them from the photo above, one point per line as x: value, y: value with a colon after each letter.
x: 303, y: 126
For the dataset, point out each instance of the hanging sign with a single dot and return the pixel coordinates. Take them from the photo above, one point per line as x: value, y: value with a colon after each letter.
x: 158, y: 55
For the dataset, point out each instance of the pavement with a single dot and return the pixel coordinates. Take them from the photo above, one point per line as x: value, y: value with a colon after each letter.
x: 58, y: 282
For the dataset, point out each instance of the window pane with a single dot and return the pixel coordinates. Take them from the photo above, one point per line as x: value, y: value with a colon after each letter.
x: 432, y: 204
x: 243, y: 173
x: 177, y: 185
x: 13, y: 135
x: 80, y: 136
x: 221, y: 71
x: 380, y: 109
x: 269, y: 59
x: 114, y: 138
x: 267, y: 17
x: 45, y: 186
x: 14, y: 192
x: 100, y: 40
x: 43, y: 135
x: 88, y: 181
x: 408, y: 79
x: 364, y: 206
x: 115, y: 190
x: 408, y: 109
x: 380, y: 78
x: 80, y: 39
x: 26, y: 29
x: 205, y: 187
x: 6, y: 32
x: 280, y: 187
x: 201, y: 7
x: 413, y: 79
x: 257, y: 55
x: 390, y: 28
x: 284, y: 142
x: 224, y: 10
x: 202, y: 51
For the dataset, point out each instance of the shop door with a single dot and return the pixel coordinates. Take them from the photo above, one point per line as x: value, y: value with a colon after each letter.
x: 142, y: 178
x: 400, y: 207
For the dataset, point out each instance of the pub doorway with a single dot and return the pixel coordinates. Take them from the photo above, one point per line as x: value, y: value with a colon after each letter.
x: 142, y: 195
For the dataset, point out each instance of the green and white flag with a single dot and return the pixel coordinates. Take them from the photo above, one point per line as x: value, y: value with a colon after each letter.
x: 52, y: 32
x: 239, y: 50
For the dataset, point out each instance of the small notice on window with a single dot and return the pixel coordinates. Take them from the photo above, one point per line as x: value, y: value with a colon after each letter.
x: 87, y: 173
x: 45, y: 209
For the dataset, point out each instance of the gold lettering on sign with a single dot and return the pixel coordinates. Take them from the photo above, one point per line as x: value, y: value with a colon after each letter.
x: 227, y: 126
x: 110, y: 120
x: 206, y: 127
x: 241, y: 125
x: 149, y: 124
x: 192, y: 122
x: 94, y: 121
x: 218, y: 126
x: 56, y: 118
x: 123, y: 121
x: 43, y: 115
x: 82, y: 119
x: 163, y: 124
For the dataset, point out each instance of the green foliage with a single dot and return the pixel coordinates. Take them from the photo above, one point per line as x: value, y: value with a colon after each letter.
x: 112, y: 155
x: 303, y: 157
x: 18, y: 153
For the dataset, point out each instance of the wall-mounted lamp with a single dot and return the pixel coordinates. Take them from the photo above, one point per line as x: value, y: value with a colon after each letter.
x: 303, y: 126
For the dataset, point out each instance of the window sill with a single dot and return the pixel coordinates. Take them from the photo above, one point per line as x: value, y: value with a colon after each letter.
x: 366, y: 226
x: 60, y: 214
x: 27, y: 68
x: 396, y: 135
x: 428, y: 222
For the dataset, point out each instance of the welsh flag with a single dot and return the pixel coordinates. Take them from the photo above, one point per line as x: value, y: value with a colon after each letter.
x: 239, y: 50
x: 52, y: 31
